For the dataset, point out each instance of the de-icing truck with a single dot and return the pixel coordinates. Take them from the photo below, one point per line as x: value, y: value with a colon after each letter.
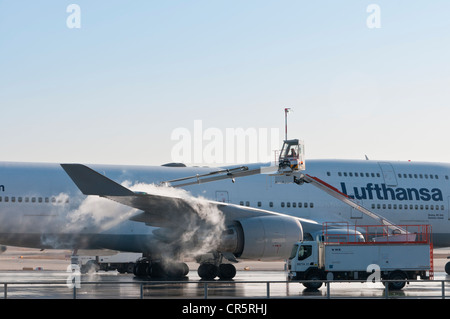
x: 397, y: 257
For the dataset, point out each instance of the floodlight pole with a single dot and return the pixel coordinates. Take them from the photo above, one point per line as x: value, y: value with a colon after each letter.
x: 286, y: 111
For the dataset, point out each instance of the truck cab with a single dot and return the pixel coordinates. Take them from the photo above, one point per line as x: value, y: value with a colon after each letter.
x: 304, y: 256
x: 292, y: 156
x: 304, y: 263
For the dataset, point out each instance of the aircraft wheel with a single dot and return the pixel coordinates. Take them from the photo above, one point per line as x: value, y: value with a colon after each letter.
x: 227, y: 271
x: 177, y: 270
x: 157, y: 270
x: 208, y: 271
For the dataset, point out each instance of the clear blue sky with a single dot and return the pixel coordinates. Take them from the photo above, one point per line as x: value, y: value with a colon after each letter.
x: 114, y: 90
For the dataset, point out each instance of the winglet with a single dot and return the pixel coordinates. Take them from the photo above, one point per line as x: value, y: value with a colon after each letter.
x: 91, y: 182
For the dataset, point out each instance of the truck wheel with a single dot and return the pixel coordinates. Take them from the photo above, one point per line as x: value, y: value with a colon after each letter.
x: 313, y: 285
x: 447, y: 268
x: 397, y: 285
x: 130, y: 268
x: 141, y: 269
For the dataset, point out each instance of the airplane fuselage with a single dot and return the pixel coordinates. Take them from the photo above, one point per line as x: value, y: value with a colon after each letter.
x: 41, y: 207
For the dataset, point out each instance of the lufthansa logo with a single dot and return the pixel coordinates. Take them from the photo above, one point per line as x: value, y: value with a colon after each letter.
x: 383, y: 192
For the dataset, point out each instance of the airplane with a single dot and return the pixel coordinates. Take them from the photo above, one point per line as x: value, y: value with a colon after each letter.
x: 128, y: 208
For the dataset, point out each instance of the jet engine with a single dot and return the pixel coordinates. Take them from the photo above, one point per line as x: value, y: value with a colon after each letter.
x: 262, y: 238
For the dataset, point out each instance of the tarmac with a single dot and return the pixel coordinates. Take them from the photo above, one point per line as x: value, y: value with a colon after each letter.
x: 28, y: 272
x: 18, y: 258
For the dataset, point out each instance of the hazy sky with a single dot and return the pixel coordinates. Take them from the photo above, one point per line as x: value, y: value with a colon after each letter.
x: 116, y: 89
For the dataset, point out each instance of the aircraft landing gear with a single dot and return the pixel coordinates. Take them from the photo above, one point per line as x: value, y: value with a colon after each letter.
x: 447, y: 267
x: 146, y: 268
x: 212, y: 268
x: 208, y: 271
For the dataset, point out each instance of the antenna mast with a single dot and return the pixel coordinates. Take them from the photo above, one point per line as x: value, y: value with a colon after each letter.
x: 286, y: 111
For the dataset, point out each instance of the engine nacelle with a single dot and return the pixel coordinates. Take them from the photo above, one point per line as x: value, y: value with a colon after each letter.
x: 262, y: 238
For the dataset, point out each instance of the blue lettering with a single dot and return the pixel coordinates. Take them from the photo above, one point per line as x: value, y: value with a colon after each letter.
x: 344, y: 190
x: 424, y: 194
x: 2, y: 188
x: 363, y: 193
x: 437, y: 195
x: 401, y: 194
x: 411, y: 191
x: 383, y: 192
x: 388, y: 191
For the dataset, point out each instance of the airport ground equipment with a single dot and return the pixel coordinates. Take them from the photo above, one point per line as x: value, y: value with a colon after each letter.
x: 123, y: 262
x: 290, y: 162
x: 132, y: 263
x: 398, y: 256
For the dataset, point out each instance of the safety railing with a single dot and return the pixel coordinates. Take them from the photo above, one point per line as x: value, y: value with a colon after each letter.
x: 207, y: 288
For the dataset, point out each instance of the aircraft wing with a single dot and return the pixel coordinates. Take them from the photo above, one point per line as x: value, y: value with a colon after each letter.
x: 157, y: 210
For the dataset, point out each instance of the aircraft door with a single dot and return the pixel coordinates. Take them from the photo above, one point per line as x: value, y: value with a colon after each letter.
x: 388, y: 174
x: 222, y: 196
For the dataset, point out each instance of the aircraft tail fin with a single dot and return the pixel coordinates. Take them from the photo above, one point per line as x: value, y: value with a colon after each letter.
x: 91, y: 182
